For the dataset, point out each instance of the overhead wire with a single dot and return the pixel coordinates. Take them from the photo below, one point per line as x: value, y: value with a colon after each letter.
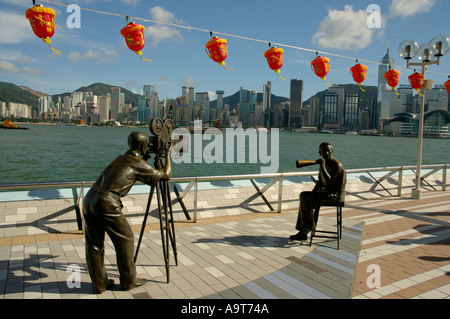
x: 238, y: 37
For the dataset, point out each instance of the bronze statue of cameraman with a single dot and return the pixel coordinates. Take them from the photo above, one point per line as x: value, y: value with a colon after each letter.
x: 102, y: 210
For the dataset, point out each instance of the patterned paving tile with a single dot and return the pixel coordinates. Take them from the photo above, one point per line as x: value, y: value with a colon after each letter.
x: 242, y: 254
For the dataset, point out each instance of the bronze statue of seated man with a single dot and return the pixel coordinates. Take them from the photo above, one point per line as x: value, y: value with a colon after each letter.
x: 329, y: 187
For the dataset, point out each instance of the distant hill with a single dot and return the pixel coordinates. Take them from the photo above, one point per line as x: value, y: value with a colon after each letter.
x: 37, y: 93
x: 103, y: 89
x: 10, y: 92
x: 13, y: 93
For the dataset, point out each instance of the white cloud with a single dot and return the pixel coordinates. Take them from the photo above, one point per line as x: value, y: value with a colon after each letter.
x: 22, y: 4
x: 190, y: 81
x: 103, y: 57
x: 131, y: 2
x: 405, y: 8
x: 162, y: 79
x: 160, y: 32
x: 130, y: 83
x: 9, y: 67
x: 25, y: 60
x: 15, y: 56
x: 347, y: 30
x: 160, y: 14
x: 15, y: 28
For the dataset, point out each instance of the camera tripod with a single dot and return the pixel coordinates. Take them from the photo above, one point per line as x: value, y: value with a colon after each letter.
x: 165, y: 218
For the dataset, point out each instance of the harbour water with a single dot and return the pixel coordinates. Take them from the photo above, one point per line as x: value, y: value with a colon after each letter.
x: 53, y: 153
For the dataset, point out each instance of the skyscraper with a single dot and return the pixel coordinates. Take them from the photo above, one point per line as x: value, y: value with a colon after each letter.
x: 253, y: 100
x: 219, y: 104
x: 332, y: 114
x: 243, y: 96
x: 67, y: 102
x: 104, y: 103
x: 267, y: 96
x: 115, y: 102
x: 351, y: 111
x: 202, y: 102
x: 330, y: 107
x: 152, y: 103
x: 142, y: 109
x: 149, y: 90
x: 44, y: 104
x: 267, y: 103
x: 188, y: 93
x: 296, y: 103
x: 385, y: 93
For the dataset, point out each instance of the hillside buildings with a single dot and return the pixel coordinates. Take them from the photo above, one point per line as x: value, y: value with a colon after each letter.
x: 15, y: 110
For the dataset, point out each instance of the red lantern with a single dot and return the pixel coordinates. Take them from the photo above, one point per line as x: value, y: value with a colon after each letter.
x: 392, y: 78
x: 359, y: 74
x: 134, y: 37
x: 41, y: 20
x: 447, y: 85
x: 274, y: 58
x: 416, y: 80
x: 217, y: 50
x: 321, y: 67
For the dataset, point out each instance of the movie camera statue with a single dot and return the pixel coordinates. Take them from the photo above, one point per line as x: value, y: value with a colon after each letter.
x: 161, y: 138
x: 159, y: 144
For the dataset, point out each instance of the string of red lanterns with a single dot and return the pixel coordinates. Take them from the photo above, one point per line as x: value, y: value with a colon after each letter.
x: 359, y: 73
x: 447, y: 85
x: 392, y: 78
x: 274, y: 57
x: 321, y: 67
x: 216, y: 48
x: 42, y: 23
x: 134, y: 38
x: 417, y: 81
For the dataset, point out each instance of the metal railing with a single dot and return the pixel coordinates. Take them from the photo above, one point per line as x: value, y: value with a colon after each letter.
x: 276, y: 178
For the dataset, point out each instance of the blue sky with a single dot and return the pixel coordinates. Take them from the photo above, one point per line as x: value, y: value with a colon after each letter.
x: 96, y: 52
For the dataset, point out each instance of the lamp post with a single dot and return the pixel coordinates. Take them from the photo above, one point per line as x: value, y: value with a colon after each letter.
x: 428, y: 53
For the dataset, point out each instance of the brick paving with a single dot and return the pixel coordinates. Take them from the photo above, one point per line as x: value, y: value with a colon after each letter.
x: 392, y: 248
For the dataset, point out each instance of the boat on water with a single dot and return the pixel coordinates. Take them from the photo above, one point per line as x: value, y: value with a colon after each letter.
x: 8, y: 124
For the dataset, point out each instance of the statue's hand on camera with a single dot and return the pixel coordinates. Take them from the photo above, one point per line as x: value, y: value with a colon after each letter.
x: 169, y: 147
x: 147, y: 155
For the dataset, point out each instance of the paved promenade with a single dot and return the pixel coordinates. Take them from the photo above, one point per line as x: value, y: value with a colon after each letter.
x: 392, y: 248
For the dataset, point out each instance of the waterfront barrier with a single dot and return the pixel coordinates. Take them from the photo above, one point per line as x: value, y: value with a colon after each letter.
x: 213, y: 196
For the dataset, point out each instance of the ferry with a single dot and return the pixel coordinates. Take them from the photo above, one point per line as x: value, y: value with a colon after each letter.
x: 8, y: 124
x: 325, y: 131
